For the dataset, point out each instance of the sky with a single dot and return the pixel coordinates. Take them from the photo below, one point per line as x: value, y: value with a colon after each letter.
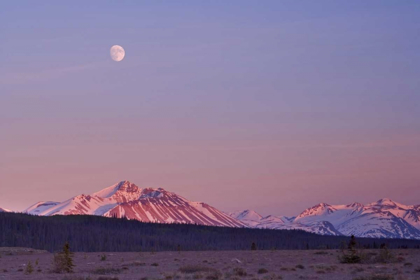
x: 267, y: 105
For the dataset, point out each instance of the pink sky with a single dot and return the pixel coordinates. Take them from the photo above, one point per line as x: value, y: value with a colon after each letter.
x: 273, y: 107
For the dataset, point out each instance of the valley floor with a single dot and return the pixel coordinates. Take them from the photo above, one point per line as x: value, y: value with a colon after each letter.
x: 310, y: 264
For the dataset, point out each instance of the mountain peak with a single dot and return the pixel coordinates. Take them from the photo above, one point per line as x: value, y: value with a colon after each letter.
x: 390, y: 204
x: 5, y: 210
x: 126, y: 186
x: 246, y: 215
x: 323, y: 204
x: 320, y: 209
x: 121, y: 188
x: 385, y: 202
x: 355, y: 205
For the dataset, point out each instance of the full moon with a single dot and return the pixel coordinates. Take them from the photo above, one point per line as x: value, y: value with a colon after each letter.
x: 117, y: 53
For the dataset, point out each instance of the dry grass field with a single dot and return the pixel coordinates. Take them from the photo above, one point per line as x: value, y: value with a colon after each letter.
x: 310, y: 264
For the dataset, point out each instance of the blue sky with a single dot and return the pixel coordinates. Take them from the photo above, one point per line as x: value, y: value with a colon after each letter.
x: 287, y: 102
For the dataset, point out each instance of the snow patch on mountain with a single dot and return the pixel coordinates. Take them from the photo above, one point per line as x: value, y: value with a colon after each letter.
x: 40, y: 207
x: 384, y: 219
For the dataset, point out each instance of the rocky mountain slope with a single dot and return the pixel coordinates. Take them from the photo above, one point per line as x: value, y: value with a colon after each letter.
x: 127, y: 200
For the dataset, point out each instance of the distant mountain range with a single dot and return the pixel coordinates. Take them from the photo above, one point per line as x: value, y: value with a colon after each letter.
x: 5, y: 210
x: 384, y: 218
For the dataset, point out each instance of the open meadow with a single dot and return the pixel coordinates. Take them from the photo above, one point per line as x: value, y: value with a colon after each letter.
x: 276, y: 264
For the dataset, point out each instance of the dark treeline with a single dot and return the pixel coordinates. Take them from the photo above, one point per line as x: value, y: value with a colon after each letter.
x: 95, y: 234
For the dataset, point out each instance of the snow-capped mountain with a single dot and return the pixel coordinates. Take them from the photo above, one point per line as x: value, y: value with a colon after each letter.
x: 281, y: 222
x: 384, y: 218
x: 5, y: 210
x: 125, y: 199
x: 248, y: 217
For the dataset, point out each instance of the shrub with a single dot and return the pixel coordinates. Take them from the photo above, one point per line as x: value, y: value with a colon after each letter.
x: 324, y: 268
x: 107, y: 278
x: 137, y: 263
x: 195, y: 269
x: 321, y: 253
x: 284, y: 268
x: 262, y: 271
x: 300, y: 266
x: 214, y: 275
x: 108, y: 270
x: 253, y: 246
x: 385, y: 255
x: 353, y: 257
x: 76, y: 278
x: 376, y: 277
x: 103, y: 257
x: 29, y: 269
x: 211, y: 273
x: 358, y: 269
x: 239, y: 271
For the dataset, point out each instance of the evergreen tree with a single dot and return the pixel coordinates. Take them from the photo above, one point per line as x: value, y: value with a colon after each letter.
x: 118, y: 235
x: 352, y: 243
x: 63, y: 261
x: 68, y: 258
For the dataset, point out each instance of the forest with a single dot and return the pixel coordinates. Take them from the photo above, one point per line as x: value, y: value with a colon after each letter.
x: 100, y: 234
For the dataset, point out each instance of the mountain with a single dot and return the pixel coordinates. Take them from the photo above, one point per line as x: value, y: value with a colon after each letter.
x: 281, y: 222
x: 5, y: 210
x: 125, y: 199
x: 384, y: 219
x: 381, y: 219
x: 248, y: 217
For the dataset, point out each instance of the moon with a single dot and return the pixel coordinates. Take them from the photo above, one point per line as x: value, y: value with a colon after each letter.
x: 117, y: 53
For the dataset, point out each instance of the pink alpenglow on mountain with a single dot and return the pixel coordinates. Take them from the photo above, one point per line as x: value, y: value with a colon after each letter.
x: 384, y: 219
x: 128, y: 200
x: 5, y: 210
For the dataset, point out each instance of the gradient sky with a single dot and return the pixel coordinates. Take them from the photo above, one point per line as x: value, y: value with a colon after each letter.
x: 267, y: 105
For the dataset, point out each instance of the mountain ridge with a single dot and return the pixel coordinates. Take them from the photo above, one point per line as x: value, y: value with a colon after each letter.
x: 384, y: 218
x: 127, y: 200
